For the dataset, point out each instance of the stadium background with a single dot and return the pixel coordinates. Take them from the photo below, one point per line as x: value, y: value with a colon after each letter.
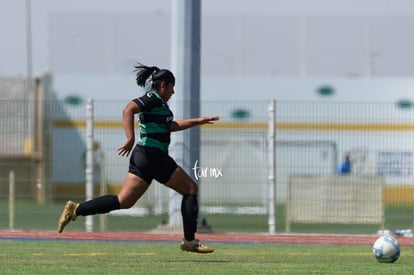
x: 334, y: 93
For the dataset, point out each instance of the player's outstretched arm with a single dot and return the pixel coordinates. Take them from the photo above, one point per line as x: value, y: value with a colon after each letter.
x: 179, y: 125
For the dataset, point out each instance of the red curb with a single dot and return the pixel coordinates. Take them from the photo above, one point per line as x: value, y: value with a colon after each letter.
x: 316, y: 239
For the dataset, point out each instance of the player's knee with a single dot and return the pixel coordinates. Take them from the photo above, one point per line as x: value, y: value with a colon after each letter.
x: 193, y: 189
x: 125, y: 203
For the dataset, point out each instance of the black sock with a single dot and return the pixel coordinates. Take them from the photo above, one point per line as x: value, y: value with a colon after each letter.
x: 189, y: 211
x: 99, y: 205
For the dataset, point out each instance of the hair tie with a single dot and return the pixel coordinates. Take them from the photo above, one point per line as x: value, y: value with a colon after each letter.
x: 148, y: 84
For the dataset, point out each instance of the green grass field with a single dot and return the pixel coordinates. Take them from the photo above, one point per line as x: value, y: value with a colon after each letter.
x: 63, y: 257
x: 32, y: 216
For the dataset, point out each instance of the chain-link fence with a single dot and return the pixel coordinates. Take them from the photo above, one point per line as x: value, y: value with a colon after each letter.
x: 311, y: 140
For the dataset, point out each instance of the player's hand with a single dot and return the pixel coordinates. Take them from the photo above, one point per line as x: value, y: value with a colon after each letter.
x: 209, y: 119
x: 125, y: 149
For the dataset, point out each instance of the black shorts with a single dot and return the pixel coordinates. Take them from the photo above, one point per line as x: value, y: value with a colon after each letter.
x: 151, y: 163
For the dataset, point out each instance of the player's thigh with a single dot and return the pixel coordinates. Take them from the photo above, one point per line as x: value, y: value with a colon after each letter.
x: 181, y: 182
x: 132, y: 189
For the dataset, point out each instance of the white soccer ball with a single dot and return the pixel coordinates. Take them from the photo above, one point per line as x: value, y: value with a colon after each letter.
x: 386, y: 249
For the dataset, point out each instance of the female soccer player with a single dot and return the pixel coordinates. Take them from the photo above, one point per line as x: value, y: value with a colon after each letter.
x: 149, y: 159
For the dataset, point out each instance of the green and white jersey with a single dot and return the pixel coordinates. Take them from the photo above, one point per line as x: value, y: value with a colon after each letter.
x: 154, y: 121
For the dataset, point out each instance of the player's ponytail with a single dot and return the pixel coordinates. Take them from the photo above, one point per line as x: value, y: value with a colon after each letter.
x: 151, y: 77
x: 143, y: 73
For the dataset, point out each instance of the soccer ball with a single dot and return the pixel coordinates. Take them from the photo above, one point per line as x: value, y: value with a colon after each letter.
x: 386, y: 249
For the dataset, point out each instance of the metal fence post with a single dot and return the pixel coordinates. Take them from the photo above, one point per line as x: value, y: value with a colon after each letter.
x: 89, y: 160
x: 11, y: 200
x: 271, y: 168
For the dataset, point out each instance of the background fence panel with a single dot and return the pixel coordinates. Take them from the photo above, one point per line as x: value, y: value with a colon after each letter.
x: 311, y: 140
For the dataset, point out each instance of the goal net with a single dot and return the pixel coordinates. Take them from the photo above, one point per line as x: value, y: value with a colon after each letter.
x: 335, y: 199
